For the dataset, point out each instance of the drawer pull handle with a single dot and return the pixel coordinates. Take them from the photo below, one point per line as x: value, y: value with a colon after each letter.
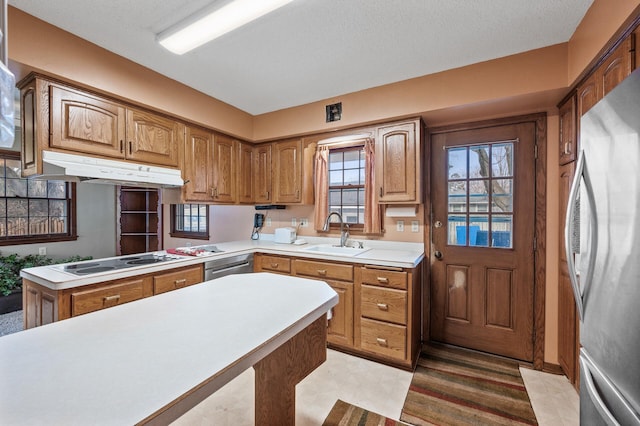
x: 383, y: 306
x: 180, y: 283
x: 322, y: 272
x: 383, y: 280
x: 274, y: 265
x: 382, y: 342
x: 113, y: 298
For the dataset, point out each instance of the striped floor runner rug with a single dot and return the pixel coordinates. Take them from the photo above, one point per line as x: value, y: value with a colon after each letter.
x: 345, y: 414
x: 458, y: 387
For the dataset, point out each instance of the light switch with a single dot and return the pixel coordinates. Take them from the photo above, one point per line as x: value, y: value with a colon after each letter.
x: 400, y: 226
x: 294, y: 222
x: 415, y: 226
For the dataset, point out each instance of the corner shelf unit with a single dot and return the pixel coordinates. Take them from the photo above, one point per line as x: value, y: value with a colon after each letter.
x: 140, y: 225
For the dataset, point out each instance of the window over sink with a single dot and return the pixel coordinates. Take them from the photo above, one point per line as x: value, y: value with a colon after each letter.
x: 190, y: 221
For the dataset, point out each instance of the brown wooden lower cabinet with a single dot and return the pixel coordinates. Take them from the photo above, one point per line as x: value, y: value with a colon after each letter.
x: 378, y: 314
x: 42, y: 305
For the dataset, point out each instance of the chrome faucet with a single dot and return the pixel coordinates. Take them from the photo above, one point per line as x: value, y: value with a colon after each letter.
x: 344, y: 235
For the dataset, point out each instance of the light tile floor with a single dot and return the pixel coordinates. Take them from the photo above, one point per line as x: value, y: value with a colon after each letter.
x: 370, y: 385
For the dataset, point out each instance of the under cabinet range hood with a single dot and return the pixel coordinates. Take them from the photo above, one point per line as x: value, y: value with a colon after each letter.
x: 78, y: 168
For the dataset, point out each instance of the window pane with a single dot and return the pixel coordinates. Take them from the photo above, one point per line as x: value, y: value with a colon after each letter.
x: 2, y: 187
x: 335, y: 198
x: 457, y: 230
x: 502, y: 160
x: 350, y: 197
x: 38, y: 225
x: 3, y: 208
x: 335, y: 161
x: 16, y: 188
x: 457, y: 196
x: 57, y: 189
x: 38, y: 208
x: 58, y: 225
x: 501, y: 231
x: 479, y: 161
x: 17, y: 208
x: 57, y: 208
x: 478, y: 196
x: 352, y: 177
x: 479, y: 230
x: 457, y: 161
x: 16, y: 226
x: 502, y: 200
x: 352, y: 159
x: 335, y: 177
x: 37, y: 188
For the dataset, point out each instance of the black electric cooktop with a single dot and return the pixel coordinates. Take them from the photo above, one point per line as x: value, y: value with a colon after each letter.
x: 115, y: 264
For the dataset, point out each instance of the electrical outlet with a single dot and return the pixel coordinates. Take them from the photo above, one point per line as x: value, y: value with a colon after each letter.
x: 42, y: 251
x: 304, y: 222
x: 294, y: 222
x: 268, y: 221
x: 400, y: 226
x: 415, y: 226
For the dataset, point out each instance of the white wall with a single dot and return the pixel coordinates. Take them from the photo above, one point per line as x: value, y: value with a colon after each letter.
x: 226, y: 223
x: 96, y: 220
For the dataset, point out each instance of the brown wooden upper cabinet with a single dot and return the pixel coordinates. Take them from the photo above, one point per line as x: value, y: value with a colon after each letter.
x: 615, y: 68
x: 85, y: 123
x: 568, y: 141
x: 245, y: 173
x: 224, y: 169
x: 262, y: 174
x: 287, y: 171
x: 198, y: 165
x: 398, y: 163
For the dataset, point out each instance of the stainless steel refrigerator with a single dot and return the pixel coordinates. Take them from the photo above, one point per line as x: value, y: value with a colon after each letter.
x: 603, y: 248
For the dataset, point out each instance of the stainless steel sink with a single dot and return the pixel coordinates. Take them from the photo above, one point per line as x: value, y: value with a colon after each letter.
x: 337, y: 250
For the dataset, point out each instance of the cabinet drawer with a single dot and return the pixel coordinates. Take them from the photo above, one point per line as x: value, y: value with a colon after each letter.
x: 275, y: 263
x: 83, y: 302
x: 384, y: 304
x: 174, y: 280
x: 312, y: 268
x: 385, y: 278
x: 383, y: 338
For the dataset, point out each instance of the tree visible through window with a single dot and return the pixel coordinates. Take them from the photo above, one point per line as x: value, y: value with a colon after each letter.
x: 33, y: 210
x: 190, y: 221
x: 347, y: 183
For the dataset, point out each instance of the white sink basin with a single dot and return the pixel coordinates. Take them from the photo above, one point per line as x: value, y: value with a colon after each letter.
x: 337, y: 250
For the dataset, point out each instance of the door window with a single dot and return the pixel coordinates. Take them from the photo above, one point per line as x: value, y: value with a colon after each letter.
x: 480, y: 195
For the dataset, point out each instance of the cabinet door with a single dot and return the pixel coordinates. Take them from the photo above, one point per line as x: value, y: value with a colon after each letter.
x: 567, y: 327
x: 224, y: 178
x: 262, y: 173
x: 340, y: 330
x: 287, y: 171
x: 153, y: 139
x: 588, y: 95
x: 568, y: 141
x: 398, y: 163
x: 616, y: 67
x: 198, y: 165
x: 245, y: 173
x: 87, y: 124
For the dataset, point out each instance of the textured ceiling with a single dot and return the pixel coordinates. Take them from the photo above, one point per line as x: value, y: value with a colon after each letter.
x: 311, y: 50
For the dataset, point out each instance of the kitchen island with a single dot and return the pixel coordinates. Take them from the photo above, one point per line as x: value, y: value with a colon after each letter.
x: 151, y: 360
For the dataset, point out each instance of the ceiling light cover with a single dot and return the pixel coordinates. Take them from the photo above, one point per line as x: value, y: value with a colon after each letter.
x: 201, y: 28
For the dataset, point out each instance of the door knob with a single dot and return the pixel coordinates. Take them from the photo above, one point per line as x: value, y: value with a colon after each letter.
x: 438, y: 254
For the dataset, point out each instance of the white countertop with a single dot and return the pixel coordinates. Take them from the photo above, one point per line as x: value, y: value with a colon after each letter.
x: 381, y: 253
x: 119, y: 365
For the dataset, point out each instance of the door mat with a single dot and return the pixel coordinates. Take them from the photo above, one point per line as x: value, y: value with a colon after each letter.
x: 453, y: 386
x: 345, y: 414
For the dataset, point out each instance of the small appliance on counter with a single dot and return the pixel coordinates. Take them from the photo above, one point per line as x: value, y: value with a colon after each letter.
x: 284, y: 235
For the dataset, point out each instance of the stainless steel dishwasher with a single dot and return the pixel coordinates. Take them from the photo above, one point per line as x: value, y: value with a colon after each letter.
x: 239, y: 264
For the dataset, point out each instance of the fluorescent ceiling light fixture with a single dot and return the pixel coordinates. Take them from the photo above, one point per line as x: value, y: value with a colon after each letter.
x: 205, y: 26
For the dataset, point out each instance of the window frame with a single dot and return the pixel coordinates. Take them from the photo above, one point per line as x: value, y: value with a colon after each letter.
x: 186, y: 234
x: 72, y: 230
x: 353, y: 146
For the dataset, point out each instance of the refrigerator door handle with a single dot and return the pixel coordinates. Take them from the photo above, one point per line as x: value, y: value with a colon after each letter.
x: 568, y: 233
x: 627, y: 413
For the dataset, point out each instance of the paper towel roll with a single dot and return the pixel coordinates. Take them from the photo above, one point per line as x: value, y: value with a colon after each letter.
x: 401, y: 211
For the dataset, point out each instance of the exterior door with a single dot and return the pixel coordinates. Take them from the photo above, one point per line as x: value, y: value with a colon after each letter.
x: 483, y: 195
